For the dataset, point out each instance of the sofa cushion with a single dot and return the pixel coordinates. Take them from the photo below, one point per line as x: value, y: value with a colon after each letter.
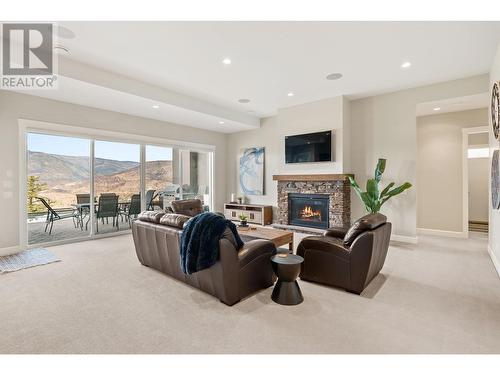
x: 151, y: 216
x: 174, y: 220
x: 366, y: 223
x: 189, y: 207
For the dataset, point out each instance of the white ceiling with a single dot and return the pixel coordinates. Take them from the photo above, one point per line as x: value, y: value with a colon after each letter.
x: 270, y: 59
x: 462, y: 103
x: 129, y: 66
x: 91, y: 95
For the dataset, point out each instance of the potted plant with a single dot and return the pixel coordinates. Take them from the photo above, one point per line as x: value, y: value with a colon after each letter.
x: 243, y: 220
x: 373, y: 198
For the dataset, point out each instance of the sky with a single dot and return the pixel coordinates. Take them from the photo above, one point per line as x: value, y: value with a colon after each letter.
x: 71, y: 146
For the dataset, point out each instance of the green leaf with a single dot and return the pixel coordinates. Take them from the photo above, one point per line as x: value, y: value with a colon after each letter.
x: 379, y: 170
x: 357, y: 189
x: 373, y: 199
x: 372, y: 189
x: 367, y: 201
x: 396, y: 191
x: 353, y: 182
x: 384, y: 192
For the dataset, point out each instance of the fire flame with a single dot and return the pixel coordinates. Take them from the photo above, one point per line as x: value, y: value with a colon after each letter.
x: 308, y: 213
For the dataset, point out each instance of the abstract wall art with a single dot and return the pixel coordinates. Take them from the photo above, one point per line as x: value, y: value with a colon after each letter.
x: 495, y: 109
x: 495, y: 181
x: 252, y: 171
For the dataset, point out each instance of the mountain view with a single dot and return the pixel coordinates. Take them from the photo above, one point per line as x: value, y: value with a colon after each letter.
x: 66, y: 176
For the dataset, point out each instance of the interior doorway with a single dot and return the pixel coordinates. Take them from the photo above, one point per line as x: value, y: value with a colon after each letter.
x: 476, y: 172
x: 443, y: 129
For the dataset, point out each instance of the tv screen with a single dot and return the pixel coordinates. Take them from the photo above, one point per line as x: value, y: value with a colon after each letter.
x: 307, y: 148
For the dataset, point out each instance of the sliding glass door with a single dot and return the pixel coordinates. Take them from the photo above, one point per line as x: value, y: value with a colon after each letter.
x: 58, y: 176
x: 161, y: 182
x: 195, y: 174
x: 79, y: 187
x: 117, y: 185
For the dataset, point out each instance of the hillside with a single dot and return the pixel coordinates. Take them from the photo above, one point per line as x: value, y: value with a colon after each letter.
x: 58, y: 169
x: 67, y: 176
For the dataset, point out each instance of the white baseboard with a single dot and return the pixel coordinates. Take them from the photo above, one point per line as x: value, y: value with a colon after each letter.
x: 9, y: 250
x: 442, y: 233
x: 405, y: 239
x: 494, y: 259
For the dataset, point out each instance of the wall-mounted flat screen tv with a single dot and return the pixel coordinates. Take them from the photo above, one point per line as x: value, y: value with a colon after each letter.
x: 308, y: 148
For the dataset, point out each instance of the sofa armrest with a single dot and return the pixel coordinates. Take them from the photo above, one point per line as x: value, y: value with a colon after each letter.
x: 253, y: 249
x: 337, y: 232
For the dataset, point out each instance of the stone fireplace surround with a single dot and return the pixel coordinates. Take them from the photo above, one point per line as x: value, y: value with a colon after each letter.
x: 336, y: 186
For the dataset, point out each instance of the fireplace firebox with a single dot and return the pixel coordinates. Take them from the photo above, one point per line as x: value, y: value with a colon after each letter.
x: 308, y: 210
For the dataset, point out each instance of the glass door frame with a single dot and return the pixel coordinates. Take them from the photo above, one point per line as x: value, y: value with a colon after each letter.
x: 210, y: 160
x: 32, y: 126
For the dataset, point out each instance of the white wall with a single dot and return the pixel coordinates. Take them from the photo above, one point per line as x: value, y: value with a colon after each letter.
x: 479, y: 199
x: 479, y: 175
x: 494, y: 222
x: 439, y: 168
x: 384, y: 126
x: 306, y: 118
x: 14, y: 106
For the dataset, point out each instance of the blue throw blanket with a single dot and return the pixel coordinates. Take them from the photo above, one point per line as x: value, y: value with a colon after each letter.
x: 200, y: 241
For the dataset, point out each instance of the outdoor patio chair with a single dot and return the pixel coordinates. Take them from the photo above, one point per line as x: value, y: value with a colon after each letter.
x: 83, y: 211
x: 150, y: 195
x: 107, y: 208
x: 134, y: 208
x: 53, y: 215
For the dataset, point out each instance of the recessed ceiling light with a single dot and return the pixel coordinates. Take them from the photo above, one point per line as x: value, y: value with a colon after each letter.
x: 290, y: 93
x: 226, y: 61
x: 334, y: 76
x: 156, y: 106
x: 437, y: 108
x: 244, y: 101
x: 221, y: 122
x: 406, y: 65
x: 61, y: 50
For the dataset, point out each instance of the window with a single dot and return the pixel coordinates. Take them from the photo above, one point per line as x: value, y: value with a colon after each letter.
x: 474, y: 153
x: 81, y: 187
x: 195, y: 176
x: 58, y: 176
x: 161, y: 180
x: 117, y: 185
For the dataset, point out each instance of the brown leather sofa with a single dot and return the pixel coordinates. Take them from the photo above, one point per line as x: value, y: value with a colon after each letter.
x: 348, y: 258
x: 237, y: 274
x: 188, y: 207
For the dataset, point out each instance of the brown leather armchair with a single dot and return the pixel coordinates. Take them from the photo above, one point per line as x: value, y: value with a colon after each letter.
x: 348, y: 258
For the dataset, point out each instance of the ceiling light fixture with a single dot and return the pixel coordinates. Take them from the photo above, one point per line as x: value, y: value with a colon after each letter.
x: 437, y: 108
x: 156, y: 106
x: 226, y: 61
x: 290, y: 93
x: 244, y: 101
x: 334, y: 76
x: 221, y: 122
x: 406, y: 65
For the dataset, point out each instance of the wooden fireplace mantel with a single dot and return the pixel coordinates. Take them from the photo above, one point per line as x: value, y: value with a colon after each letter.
x: 311, y: 177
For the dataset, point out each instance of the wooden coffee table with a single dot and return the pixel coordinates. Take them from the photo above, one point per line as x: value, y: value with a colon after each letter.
x: 278, y: 236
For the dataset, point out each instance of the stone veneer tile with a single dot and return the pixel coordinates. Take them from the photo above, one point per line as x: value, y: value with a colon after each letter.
x: 338, y: 191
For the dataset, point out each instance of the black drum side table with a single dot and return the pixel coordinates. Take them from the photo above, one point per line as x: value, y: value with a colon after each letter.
x: 287, y: 268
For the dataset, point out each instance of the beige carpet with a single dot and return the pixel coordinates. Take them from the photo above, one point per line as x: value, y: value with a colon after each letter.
x: 441, y: 296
